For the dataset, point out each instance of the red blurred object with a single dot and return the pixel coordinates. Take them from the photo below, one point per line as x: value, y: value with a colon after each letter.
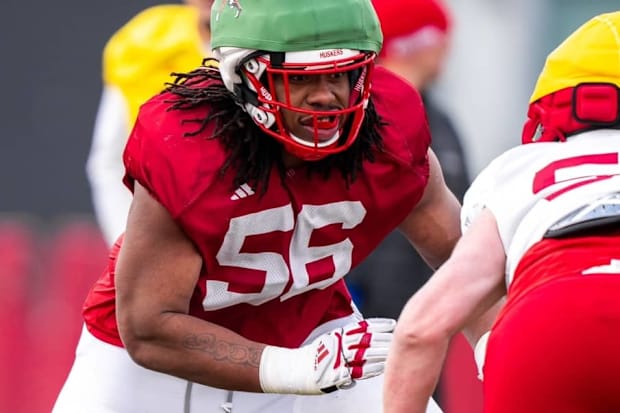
x: 461, y: 391
x: 75, y: 256
x: 17, y: 253
x: 407, y: 24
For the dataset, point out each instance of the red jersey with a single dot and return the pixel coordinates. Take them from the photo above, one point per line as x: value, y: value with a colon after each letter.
x: 273, y: 263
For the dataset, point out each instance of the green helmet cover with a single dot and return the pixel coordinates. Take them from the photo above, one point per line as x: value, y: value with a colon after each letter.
x: 295, y: 25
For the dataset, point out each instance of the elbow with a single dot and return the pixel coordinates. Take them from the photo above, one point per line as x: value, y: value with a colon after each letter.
x: 138, y: 339
x: 415, y: 335
x: 138, y: 351
x: 424, y: 322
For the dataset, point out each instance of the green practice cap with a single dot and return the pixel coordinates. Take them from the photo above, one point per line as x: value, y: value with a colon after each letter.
x: 295, y: 25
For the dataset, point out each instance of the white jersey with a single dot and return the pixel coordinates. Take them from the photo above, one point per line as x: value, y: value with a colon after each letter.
x: 531, y: 187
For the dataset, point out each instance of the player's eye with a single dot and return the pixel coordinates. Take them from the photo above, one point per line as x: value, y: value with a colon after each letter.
x: 299, y: 78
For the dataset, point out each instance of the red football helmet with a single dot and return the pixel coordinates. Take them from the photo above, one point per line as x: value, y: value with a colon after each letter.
x: 568, y: 111
x: 250, y: 75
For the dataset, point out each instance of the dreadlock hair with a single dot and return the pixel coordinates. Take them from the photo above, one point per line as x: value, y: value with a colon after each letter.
x: 250, y: 152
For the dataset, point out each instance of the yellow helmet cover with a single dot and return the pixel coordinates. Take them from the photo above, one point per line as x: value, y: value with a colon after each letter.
x: 589, y: 55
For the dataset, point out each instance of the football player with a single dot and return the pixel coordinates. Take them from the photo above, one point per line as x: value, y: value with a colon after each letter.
x: 258, y: 183
x: 541, y: 222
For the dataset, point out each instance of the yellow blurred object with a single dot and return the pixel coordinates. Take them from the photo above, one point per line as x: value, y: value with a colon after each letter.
x: 139, y: 58
x: 590, y: 54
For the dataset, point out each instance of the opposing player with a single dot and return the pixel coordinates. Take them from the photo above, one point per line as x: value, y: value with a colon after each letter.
x: 137, y: 60
x: 257, y: 186
x: 541, y: 222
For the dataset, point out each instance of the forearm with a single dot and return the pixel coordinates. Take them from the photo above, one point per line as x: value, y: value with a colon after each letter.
x: 212, y: 355
x: 415, y: 360
x: 195, y: 350
x: 412, y: 373
x: 425, y: 327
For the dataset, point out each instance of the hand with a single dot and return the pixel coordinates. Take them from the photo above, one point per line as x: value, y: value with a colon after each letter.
x: 332, y: 361
x: 357, y: 351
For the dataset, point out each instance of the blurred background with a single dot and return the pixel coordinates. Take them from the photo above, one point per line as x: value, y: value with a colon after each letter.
x: 51, y: 250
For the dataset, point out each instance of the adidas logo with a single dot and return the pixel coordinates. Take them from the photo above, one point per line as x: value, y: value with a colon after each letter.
x: 322, y: 352
x: 242, y: 192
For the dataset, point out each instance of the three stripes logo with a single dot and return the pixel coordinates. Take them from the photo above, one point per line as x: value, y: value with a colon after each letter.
x: 243, y: 191
x: 322, y: 352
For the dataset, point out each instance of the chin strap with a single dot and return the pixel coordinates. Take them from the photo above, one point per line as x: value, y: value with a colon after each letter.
x: 558, y: 115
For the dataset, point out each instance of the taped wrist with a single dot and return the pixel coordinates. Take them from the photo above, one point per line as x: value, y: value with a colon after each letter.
x: 287, y: 371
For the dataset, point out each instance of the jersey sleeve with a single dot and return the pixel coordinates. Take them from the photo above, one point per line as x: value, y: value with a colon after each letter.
x: 173, y: 167
x: 407, y: 135
x: 478, y: 196
x: 418, y: 136
x: 502, y: 187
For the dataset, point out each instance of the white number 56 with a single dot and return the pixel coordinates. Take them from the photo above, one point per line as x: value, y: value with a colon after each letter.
x: 277, y: 273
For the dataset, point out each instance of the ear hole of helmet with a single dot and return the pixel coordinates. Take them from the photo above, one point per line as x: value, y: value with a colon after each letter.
x: 253, y: 74
x: 596, y: 104
x: 247, y: 90
x: 260, y: 116
x: 252, y: 66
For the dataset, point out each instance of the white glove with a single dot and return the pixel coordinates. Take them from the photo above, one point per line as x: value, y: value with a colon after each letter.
x: 480, y: 353
x: 332, y: 361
